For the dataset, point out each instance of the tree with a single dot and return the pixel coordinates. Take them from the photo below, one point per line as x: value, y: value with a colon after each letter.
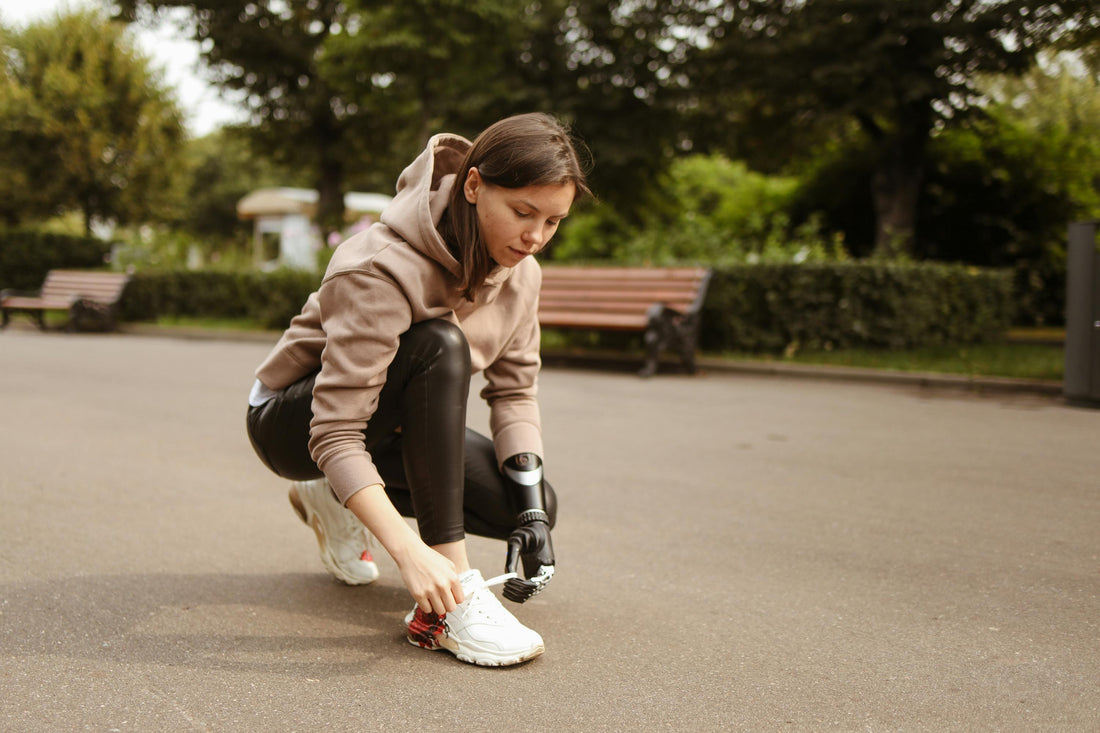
x: 271, y: 51
x: 332, y: 84
x: 353, y: 88
x: 999, y: 187
x: 619, y: 70
x: 892, y: 71
x: 86, y: 124
x: 720, y: 213
x: 1005, y: 185
x: 221, y: 170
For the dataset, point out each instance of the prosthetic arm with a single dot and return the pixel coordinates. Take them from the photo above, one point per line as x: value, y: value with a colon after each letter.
x: 530, y: 541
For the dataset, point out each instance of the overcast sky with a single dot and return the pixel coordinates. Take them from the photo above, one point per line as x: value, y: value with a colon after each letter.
x: 178, y: 58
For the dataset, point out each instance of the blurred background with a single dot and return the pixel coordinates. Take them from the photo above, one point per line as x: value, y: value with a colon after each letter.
x: 909, y: 169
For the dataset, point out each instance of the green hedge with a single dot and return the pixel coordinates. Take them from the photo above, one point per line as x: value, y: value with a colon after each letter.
x: 269, y: 299
x: 26, y: 256
x: 770, y: 308
x: 748, y: 307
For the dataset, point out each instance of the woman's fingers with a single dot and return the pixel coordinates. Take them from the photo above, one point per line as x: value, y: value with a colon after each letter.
x: 432, y: 581
x: 443, y: 601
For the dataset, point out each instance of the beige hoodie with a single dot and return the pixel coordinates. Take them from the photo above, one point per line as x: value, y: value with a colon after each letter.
x: 378, y: 284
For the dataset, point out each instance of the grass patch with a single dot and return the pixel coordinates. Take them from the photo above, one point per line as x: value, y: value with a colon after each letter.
x: 209, y: 323
x: 1004, y: 359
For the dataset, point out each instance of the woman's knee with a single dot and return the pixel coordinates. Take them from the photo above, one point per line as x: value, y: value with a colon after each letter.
x: 439, y: 343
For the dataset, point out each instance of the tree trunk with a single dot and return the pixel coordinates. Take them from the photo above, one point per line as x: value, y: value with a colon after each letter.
x: 895, y: 190
x: 330, y: 187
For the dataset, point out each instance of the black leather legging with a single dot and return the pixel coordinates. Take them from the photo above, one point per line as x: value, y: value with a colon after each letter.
x: 436, y: 469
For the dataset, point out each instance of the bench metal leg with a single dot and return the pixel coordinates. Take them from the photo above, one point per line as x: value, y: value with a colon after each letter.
x: 653, y: 351
x: 670, y: 330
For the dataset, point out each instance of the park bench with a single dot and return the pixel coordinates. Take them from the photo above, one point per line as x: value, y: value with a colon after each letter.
x: 661, y: 302
x: 90, y: 297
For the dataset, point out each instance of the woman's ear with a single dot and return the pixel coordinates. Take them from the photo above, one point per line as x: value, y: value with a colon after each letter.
x: 472, y: 185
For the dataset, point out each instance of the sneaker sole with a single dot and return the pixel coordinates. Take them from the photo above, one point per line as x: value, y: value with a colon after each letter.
x: 435, y: 639
x: 327, y: 560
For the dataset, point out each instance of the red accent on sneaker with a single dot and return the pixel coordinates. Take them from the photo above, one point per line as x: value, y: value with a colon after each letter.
x: 366, y: 556
x: 426, y: 628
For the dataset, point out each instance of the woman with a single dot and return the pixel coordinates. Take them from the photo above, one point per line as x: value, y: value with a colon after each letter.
x: 362, y: 403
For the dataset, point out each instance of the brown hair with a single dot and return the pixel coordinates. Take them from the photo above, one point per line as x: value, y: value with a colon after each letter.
x: 525, y: 150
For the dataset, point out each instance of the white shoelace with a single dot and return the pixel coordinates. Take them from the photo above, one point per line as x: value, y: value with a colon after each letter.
x: 484, y: 601
x: 500, y: 579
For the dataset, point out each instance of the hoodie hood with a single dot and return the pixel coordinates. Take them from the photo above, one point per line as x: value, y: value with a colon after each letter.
x: 423, y: 193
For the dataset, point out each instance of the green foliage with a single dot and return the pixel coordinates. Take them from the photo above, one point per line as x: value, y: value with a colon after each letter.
x: 84, y: 124
x: 761, y: 308
x: 222, y: 168
x: 1058, y: 104
x: 1000, y: 188
x: 997, y: 198
x: 26, y: 256
x: 269, y: 299
x: 591, y: 232
x: 152, y: 248
x: 270, y: 54
x: 712, y: 211
x: 780, y: 72
x: 785, y: 308
x: 349, y: 91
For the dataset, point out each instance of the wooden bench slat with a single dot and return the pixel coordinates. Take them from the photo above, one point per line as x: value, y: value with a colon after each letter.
x: 615, y: 321
x: 87, y: 291
x: 633, y: 286
x: 22, y: 301
x: 551, y: 272
x: 638, y: 308
x: 622, y: 273
x: 621, y: 296
x: 99, y: 285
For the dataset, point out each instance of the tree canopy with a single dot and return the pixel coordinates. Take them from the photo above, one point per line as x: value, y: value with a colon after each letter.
x: 340, y: 85
x: 890, y: 71
x: 349, y: 89
x: 85, y: 123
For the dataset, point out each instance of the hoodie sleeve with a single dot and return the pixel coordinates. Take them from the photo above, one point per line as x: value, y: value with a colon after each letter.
x: 512, y: 392
x: 363, y: 316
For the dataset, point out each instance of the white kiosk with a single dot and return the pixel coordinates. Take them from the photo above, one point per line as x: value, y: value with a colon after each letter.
x: 287, y: 213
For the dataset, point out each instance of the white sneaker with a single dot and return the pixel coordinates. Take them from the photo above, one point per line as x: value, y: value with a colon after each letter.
x: 480, y: 631
x: 345, y: 542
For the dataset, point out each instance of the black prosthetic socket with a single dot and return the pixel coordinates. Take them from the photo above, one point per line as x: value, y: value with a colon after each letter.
x: 530, y: 541
x: 523, y: 476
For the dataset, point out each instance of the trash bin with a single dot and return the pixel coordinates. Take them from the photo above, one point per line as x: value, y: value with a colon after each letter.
x: 1082, y: 376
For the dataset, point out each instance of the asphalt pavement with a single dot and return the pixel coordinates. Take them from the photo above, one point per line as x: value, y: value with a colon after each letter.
x: 736, y: 552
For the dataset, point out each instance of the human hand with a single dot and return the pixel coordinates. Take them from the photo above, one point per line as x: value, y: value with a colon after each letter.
x: 430, y: 579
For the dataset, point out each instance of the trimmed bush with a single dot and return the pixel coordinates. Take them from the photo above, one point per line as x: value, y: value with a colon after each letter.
x: 766, y: 308
x: 269, y: 299
x: 772, y: 308
x: 26, y: 256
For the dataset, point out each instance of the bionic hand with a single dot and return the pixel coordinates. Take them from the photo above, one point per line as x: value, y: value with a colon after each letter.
x: 530, y: 541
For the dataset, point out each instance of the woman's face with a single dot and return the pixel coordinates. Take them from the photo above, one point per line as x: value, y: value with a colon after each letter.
x: 517, y: 222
